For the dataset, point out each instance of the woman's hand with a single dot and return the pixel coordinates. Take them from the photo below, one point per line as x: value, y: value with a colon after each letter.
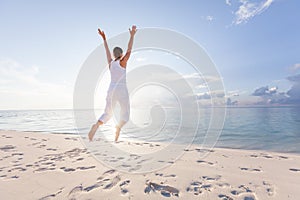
x: 102, y: 34
x: 108, y: 55
x: 133, y: 30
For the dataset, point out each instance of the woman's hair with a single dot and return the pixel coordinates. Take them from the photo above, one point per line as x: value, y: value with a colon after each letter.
x: 117, y: 52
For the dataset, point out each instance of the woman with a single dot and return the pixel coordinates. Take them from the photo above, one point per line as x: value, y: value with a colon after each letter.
x: 117, y: 91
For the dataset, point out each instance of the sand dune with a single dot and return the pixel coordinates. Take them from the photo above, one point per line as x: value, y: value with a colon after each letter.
x: 56, y: 166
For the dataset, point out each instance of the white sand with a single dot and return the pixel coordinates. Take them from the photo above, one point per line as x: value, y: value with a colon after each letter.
x: 53, y: 166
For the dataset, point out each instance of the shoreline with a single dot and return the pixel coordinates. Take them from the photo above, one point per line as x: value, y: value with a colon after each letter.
x: 216, y: 146
x: 205, y: 107
x: 57, y: 166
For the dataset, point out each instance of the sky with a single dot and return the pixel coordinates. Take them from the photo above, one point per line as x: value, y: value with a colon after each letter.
x: 254, y: 44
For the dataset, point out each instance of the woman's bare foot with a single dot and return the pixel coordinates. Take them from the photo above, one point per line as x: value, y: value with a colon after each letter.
x: 118, y: 129
x: 93, y: 131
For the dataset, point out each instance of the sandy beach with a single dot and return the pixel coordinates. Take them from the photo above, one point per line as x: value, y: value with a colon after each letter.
x: 57, y: 166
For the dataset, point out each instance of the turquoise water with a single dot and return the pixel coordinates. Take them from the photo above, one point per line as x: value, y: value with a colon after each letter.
x: 263, y: 128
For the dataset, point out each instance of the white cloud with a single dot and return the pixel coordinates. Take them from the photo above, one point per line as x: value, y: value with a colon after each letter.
x: 201, y: 86
x: 21, y: 88
x: 249, y: 9
x: 228, y: 2
x: 211, y: 94
x: 294, y: 92
x: 209, y: 18
x: 273, y: 89
x: 295, y: 67
x: 233, y: 93
x: 192, y: 76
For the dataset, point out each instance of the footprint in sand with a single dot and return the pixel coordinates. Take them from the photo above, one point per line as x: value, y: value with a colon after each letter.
x: 85, y: 168
x: 141, y: 161
x: 246, y: 194
x: 263, y: 155
x: 75, y: 190
x: 250, y: 169
x: 135, y: 168
x: 17, y: 154
x: 245, y: 188
x: 204, y: 150
x: 101, y: 182
x: 79, y: 159
x: 42, y: 146
x: 249, y: 198
x: 68, y: 169
x: 198, y: 187
x: 42, y: 169
x: 47, y: 163
x: 106, y: 184
x: 267, y: 156
x: 3, y: 176
x: 36, y: 143
x: 111, y: 171
x: 124, y: 183
x: 211, y: 178
x: 125, y: 165
x: 209, y: 183
x: 133, y: 157
x: 112, y: 183
x: 91, y: 187
x: 242, y: 192
x: 205, y: 162
x: 195, y: 187
x: 51, y: 149
x: 166, y: 176
x: 165, y: 190
x: 123, y: 187
x: 223, y: 185
x: 225, y: 197
x: 294, y: 170
x: 20, y: 169
x: 6, y: 176
x: 283, y: 157
x: 7, y: 148
x: 7, y: 137
x: 70, y: 138
x: 51, y: 196
x: 269, y: 188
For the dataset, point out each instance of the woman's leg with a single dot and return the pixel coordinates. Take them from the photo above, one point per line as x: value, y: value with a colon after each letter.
x: 108, y: 112
x: 94, y: 129
x: 118, y: 129
x: 124, y: 113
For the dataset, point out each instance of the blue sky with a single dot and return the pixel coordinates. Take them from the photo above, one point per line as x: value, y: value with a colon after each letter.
x: 254, y: 43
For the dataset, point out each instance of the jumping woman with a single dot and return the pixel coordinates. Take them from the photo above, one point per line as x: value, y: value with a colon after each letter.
x: 117, y: 91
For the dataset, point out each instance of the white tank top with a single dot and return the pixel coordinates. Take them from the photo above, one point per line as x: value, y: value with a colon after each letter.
x: 117, y: 74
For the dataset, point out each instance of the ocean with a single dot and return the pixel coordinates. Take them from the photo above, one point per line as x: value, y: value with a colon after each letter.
x: 256, y: 128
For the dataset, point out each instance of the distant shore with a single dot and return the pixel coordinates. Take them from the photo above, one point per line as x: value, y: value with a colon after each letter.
x: 57, y: 166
